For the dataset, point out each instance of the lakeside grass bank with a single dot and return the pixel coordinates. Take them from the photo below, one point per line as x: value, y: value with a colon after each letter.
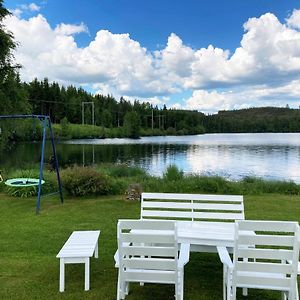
x: 29, y: 244
x: 117, y: 179
x: 27, y: 130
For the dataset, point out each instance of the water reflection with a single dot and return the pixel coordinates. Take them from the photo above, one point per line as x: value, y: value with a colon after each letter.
x: 271, y: 156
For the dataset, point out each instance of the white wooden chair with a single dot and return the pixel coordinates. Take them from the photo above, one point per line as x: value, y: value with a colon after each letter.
x: 148, y: 253
x: 265, y: 256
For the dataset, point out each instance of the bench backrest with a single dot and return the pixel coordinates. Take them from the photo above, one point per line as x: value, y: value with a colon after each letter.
x: 192, y: 207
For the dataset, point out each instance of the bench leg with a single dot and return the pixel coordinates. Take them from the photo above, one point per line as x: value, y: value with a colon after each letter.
x: 96, y: 250
x: 62, y: 275
x: 87, y: 274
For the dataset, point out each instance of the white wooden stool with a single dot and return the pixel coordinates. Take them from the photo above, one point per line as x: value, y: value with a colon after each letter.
x: 80, y: 246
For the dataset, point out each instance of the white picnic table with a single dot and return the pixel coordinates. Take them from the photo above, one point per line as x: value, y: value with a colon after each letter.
x: 206, y: 235
x: 203, y: 236
x: 80, y: 246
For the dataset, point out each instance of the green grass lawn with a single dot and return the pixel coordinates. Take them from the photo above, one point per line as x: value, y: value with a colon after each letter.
x: 29, y: 244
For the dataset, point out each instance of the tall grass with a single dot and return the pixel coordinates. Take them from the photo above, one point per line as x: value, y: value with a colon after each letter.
x: 120, y: 176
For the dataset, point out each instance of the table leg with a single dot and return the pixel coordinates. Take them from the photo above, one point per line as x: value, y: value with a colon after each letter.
x: 87, y: 274
x: 96, y: 250
x: 62, y: 275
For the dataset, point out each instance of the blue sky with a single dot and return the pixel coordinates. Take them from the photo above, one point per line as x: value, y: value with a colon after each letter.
x: 205, y: 55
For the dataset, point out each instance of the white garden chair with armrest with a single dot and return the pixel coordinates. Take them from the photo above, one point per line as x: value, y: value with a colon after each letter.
x: 148, y: 253
x: 267, y: 259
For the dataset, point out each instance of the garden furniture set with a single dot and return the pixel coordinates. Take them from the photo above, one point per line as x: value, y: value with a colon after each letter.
x: 156, y: 247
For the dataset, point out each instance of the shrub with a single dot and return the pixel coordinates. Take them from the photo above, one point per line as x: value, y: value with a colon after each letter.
x: 123, y: 170
x: 64, y: 126
x: 83, y: 181
x: 172, y: 173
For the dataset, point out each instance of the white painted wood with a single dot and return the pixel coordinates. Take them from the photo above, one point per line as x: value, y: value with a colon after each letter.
x: 268, y: 240
x: 206, y: 234
x: 184, y: 256
x: 195, y: 206
x: 203, y: 220
x: 148, y: 250
x: 61, y: 275
x: 224, y: 257
x: 96, y: 250
x: 149, y: 263
x: 148, y: 253
x: 189, y: 197
x: 80, y: 246
x: 265, y: 267
x: 192, y: 207
x: 149, y: 276
x: 87, y: 274
x: 265, y: 253
x: 196, y: 216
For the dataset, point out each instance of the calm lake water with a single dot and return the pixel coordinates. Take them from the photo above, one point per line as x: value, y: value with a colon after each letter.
x: 266, y: 155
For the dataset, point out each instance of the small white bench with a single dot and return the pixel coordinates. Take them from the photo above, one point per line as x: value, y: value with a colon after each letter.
x: 80, y: 246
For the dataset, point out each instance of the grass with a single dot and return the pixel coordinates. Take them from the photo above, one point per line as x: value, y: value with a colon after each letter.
x: 29, y: 244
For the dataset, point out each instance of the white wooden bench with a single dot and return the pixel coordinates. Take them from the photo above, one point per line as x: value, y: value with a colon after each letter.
x: 80, y: 246
x: 197, y: 210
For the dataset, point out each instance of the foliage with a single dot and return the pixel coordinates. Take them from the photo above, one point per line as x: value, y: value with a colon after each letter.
x: 83, y: 181
x: 124, y: 170
x: 113, y: 179
x: 7, y: 44
x: 262, y: 119
x: 132, y: 124
x: 64, y: 124
x: 12, y: 93
x: 172, y: 173
x: 219, y: 185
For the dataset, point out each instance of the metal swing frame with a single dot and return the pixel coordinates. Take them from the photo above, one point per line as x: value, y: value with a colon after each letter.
x: 45, y: 120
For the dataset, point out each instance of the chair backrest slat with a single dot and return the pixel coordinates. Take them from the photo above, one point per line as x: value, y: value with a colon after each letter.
x: 265, y: 253
x: 264, y: 282
x: 148, y: 250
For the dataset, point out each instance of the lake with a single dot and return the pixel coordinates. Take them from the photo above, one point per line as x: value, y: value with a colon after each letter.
x: 233, y: 156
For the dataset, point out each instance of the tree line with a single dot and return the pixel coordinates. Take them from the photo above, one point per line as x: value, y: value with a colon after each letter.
x: 74, y: 104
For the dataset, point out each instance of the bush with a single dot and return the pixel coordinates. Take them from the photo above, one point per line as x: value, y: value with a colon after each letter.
x: 83, y: 181
x: 123, y: 170
x: 172, y: 173
x: 64, y: 124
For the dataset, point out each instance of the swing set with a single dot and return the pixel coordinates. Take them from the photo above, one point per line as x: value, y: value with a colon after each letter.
x: 26, y: 182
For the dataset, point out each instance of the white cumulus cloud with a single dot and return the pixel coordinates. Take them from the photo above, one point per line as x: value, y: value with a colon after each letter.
x: 265, y: 66
x: 69, y: 29
x: 294, y: 19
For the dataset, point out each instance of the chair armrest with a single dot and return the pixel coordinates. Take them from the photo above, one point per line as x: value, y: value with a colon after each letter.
x: 224, y: 256
x: 184, y: 255
x: 116, y: 258
x: 290, y: 262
